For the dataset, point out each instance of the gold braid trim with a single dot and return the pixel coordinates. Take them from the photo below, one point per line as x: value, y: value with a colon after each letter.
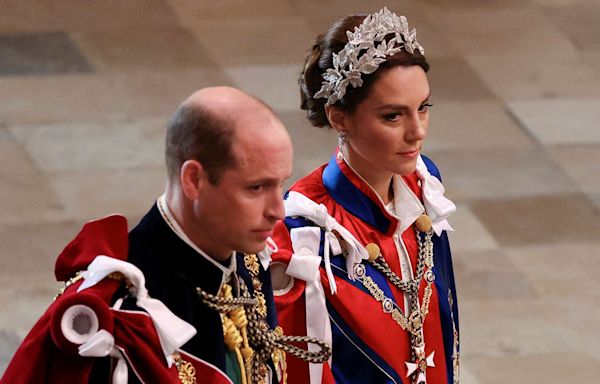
x: 185, y: 370
x: 78, y: 276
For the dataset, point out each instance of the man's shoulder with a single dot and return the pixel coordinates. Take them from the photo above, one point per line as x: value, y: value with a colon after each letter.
x: 148, y: 237
x: 105, y: 236
x: 147, y: 247
x: 147, y: 227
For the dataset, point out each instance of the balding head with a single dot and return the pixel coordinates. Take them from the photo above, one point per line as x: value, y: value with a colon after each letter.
x: 228, y: 156
x: 205, y: 125
x: 226, y: 101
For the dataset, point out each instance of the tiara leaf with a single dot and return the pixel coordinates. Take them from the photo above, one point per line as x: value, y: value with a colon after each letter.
x: 365, y: 51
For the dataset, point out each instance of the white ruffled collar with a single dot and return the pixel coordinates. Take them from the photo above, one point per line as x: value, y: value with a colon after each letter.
x: 408, y: 207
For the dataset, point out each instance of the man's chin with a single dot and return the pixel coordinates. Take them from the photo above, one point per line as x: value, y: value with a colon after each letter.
x: 254, y: 247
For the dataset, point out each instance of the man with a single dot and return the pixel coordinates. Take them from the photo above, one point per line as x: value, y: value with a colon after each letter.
x: 227, y: 156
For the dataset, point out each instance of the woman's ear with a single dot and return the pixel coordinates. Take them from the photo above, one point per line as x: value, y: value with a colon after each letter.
x: 337, y: 118
x: 193, y: 178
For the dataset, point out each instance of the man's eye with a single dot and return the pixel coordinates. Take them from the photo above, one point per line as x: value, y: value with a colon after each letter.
x: 256, y: 188
x: 425, y: 107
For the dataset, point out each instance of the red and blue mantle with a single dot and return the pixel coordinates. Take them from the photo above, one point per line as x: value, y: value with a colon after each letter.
x: 368, y: 345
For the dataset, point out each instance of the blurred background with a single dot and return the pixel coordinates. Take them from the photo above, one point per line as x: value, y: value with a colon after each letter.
x: 86, y: 88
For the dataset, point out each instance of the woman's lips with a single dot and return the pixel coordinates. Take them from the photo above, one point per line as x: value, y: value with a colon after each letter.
x: 412, y: 153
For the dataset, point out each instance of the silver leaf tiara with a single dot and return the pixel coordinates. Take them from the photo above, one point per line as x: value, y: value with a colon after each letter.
x: 348, y: 66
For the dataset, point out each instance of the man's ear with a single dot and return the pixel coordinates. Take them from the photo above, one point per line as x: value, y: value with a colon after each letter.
x: 337, y: 118
x: 193, y: 178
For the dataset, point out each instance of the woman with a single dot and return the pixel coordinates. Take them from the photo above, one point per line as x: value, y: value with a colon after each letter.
x: 363, y: 258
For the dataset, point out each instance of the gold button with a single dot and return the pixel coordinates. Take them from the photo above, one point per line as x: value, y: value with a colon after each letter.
x: 373, y: 250
x: 423, y: 223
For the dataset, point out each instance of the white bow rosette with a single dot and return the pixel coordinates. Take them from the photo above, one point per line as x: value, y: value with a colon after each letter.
x: 172, y: 331
x: 437, y: 206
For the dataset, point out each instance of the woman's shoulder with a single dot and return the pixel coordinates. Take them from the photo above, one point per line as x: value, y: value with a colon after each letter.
x: 431, y: 167
x: 311, y: 186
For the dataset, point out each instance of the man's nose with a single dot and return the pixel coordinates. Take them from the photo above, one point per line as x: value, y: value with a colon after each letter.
x: 275, y: 209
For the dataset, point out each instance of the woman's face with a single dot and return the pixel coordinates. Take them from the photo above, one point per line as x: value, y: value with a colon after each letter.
x: 387, y: 129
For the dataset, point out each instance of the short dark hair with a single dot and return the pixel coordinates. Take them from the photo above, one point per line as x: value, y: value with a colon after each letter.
x: 320, y: 58
x: 196, y: 133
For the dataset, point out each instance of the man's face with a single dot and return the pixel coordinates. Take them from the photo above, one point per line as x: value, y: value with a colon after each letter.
x: 240, y: 211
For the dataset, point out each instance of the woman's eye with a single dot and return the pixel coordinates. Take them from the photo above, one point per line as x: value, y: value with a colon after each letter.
x: 425, y: 107
x: 392, y: 116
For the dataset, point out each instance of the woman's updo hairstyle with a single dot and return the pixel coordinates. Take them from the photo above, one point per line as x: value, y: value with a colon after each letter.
x: 320, y: 58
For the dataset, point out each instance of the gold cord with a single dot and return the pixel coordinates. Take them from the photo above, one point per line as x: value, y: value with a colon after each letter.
x: 246, y: 330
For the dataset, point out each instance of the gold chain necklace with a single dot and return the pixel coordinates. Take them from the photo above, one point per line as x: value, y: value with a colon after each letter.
x: 417, y: 312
